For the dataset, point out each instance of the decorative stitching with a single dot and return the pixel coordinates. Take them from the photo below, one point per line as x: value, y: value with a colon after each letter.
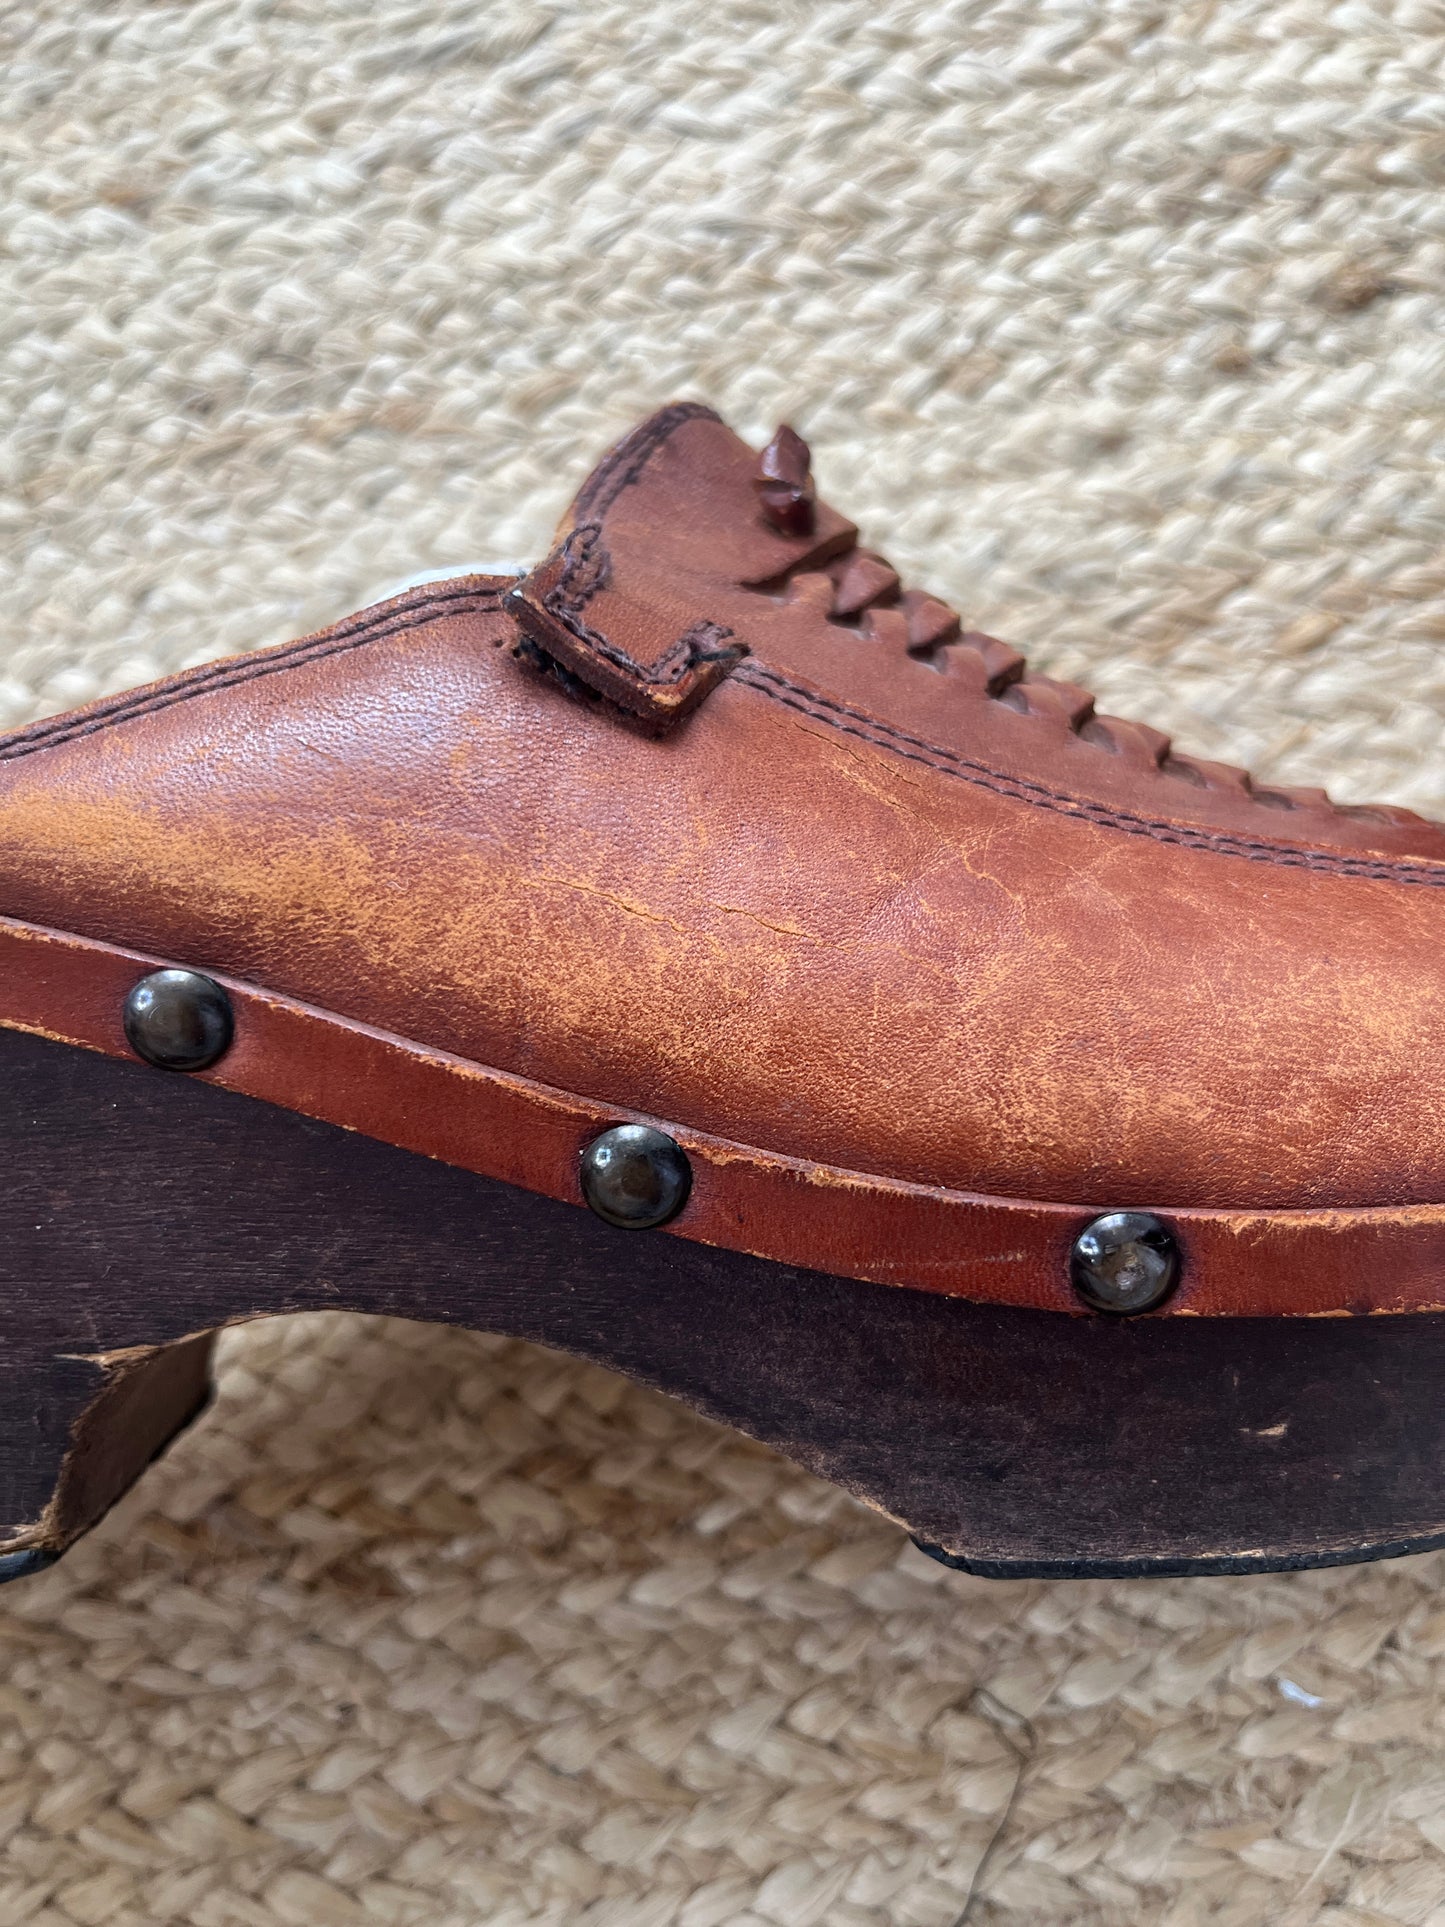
x: 353, y: 634
x: 871, y: 729
x: 670, y: 668
x: 621, y: 468
x: 586, y: 566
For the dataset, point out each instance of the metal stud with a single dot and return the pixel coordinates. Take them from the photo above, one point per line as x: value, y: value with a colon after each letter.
x: 178, y: 1020
x: 635, y: 1176
x: 1126, y: 1262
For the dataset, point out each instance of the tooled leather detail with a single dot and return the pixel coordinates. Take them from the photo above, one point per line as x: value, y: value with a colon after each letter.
x: 860, y: 590
x: 586, y: 569
x: 851, y: 721
x: 370, y: 626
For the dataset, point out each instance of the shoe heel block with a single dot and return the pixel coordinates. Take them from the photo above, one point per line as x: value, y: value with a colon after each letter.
x: 147, y: 1210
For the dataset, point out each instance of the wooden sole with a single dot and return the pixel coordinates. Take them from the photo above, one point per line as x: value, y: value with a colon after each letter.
x: 145, y: 1210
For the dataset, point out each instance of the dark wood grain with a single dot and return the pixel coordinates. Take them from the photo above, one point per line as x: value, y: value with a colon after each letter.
x: 146, y: 1208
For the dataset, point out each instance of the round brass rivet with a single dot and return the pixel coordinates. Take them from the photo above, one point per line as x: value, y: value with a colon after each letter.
x: 178, y: 1020
x: 1126, y: 1261
x: 635, y: 1176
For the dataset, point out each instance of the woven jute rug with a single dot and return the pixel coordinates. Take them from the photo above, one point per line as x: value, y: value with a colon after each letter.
x: 1118, y: 325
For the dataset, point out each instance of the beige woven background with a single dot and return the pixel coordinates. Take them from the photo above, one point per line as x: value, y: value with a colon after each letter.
x: 1118, y: 324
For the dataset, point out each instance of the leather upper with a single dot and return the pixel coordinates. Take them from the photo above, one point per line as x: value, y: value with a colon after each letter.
x: 709, y: 819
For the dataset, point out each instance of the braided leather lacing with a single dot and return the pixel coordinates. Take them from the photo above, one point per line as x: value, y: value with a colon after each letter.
x: 859, y: 590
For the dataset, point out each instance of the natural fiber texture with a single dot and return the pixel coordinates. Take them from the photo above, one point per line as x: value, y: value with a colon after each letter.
x: 1119, y: 326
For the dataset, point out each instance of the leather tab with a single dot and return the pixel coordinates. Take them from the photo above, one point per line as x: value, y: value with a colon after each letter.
x: 663, y: 532
x: 643, y: 653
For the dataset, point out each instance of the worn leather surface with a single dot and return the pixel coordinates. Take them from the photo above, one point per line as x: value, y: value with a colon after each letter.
x: 795, y: 1211
x: 852, y: 908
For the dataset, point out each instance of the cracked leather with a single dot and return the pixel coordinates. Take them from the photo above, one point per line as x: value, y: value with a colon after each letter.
x: 859, y: 891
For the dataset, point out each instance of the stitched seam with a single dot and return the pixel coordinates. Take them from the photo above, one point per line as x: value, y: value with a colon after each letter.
x: 200, y: 679
x: 627, y: 461
x: 670, y: 667
x: 585, y: 559
x: 564, y: 602
x: 870, y: 729
x: 933, y: 644
x: 294, y: 656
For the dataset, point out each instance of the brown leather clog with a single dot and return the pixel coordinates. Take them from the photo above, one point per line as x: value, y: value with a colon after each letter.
x: 1035, y: 1129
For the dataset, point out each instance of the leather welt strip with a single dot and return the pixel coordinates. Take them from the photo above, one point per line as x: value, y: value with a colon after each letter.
x: 849, y: 721
x: 817, y: 1217
x: 391, y: 619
